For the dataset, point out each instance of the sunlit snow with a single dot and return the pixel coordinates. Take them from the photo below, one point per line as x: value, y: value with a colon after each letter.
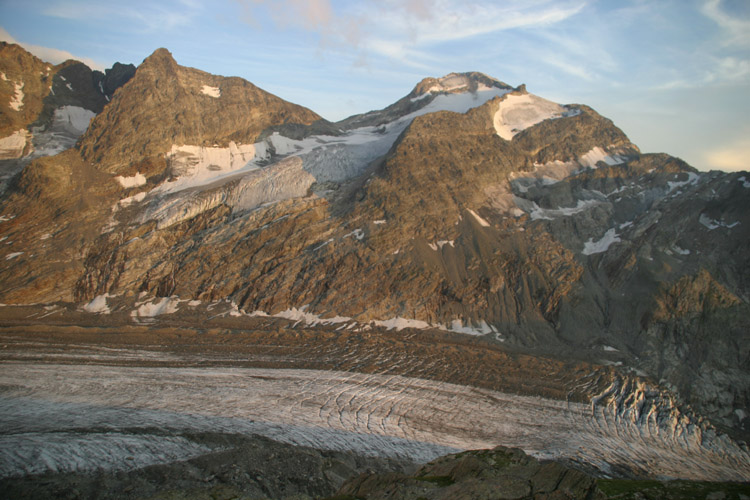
x: 518, y: 112
x: 192, y: 166
x: 597, y: 154
x: 136, y: 180
x: 98, y: 305
x: 136, y: 198
x: 16, y: 102
x: 440, y: 244
x: 13, y: 145
x: 211, y: 91
x: 166, y: 305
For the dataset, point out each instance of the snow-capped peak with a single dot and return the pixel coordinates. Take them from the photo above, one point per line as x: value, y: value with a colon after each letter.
x: 457, y: 83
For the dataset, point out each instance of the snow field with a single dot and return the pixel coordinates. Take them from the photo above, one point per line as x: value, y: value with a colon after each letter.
x: 518, y: 112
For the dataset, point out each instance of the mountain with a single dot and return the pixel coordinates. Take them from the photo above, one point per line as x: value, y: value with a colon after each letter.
x: 45, y: 108
x: 468, y: 206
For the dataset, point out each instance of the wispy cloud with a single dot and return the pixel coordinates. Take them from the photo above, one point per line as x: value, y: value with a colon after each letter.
x: 450, y: 20
x: 735, y: 29
x: 404, y: 30
x: 712, y: 72
x: 151, y: 16
x: 48, y: 54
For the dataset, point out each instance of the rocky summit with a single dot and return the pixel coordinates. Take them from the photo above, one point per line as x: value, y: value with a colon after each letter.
x: 468, y: 207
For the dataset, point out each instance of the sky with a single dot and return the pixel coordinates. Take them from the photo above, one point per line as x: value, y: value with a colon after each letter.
x: 674, y: 75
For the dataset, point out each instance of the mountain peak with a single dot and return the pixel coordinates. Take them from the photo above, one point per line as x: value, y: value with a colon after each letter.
x: 160, y: 57
x: 457, y: 83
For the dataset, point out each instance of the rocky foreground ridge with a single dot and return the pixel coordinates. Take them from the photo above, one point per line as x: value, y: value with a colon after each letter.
x: 469, y: 205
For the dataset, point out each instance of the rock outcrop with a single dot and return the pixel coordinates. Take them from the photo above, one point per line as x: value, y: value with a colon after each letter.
x: 504, y: 473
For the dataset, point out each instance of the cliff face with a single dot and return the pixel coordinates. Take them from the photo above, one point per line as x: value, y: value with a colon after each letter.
x: 468, y: 206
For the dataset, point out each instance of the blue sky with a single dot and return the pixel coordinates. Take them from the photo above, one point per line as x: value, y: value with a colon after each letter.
x: 673, y: 74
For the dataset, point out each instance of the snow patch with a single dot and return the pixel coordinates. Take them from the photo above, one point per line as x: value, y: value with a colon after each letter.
x: 597, y: 154
x: 538, y: 213
x: 401, y: 323
x: 137, y: 198
x: 16, y: 102
x: 378, y: 222
x: 13, y: 145
x: 482, y: 329
x: 98, y: 305
x: 73, y: 116
x: 692, y: 179
x: 193, y: 166
x: 745, y: 183
x: 440, y: 244
x: 13, y: 255
x: 211, y: 91
x: 479, y: 219
x: 167, y: 305
x: 70, y: 87
x: 518, y: 112
x: 136, y: 180
x: 311, y: 319
x: 715, y: 224
x: 357, y: 233
x: 591, y: 247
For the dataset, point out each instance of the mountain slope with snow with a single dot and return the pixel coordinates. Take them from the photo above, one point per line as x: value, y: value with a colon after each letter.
x: 468, y: 206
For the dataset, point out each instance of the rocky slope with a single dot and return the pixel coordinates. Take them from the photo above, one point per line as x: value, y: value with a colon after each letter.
x: 468, y: 206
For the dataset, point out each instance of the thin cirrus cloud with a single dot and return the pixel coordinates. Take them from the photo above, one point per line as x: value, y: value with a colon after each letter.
x: 405, y: 31
x: 736, y: 31
x: 451, y: 20
x: 150, y: 16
